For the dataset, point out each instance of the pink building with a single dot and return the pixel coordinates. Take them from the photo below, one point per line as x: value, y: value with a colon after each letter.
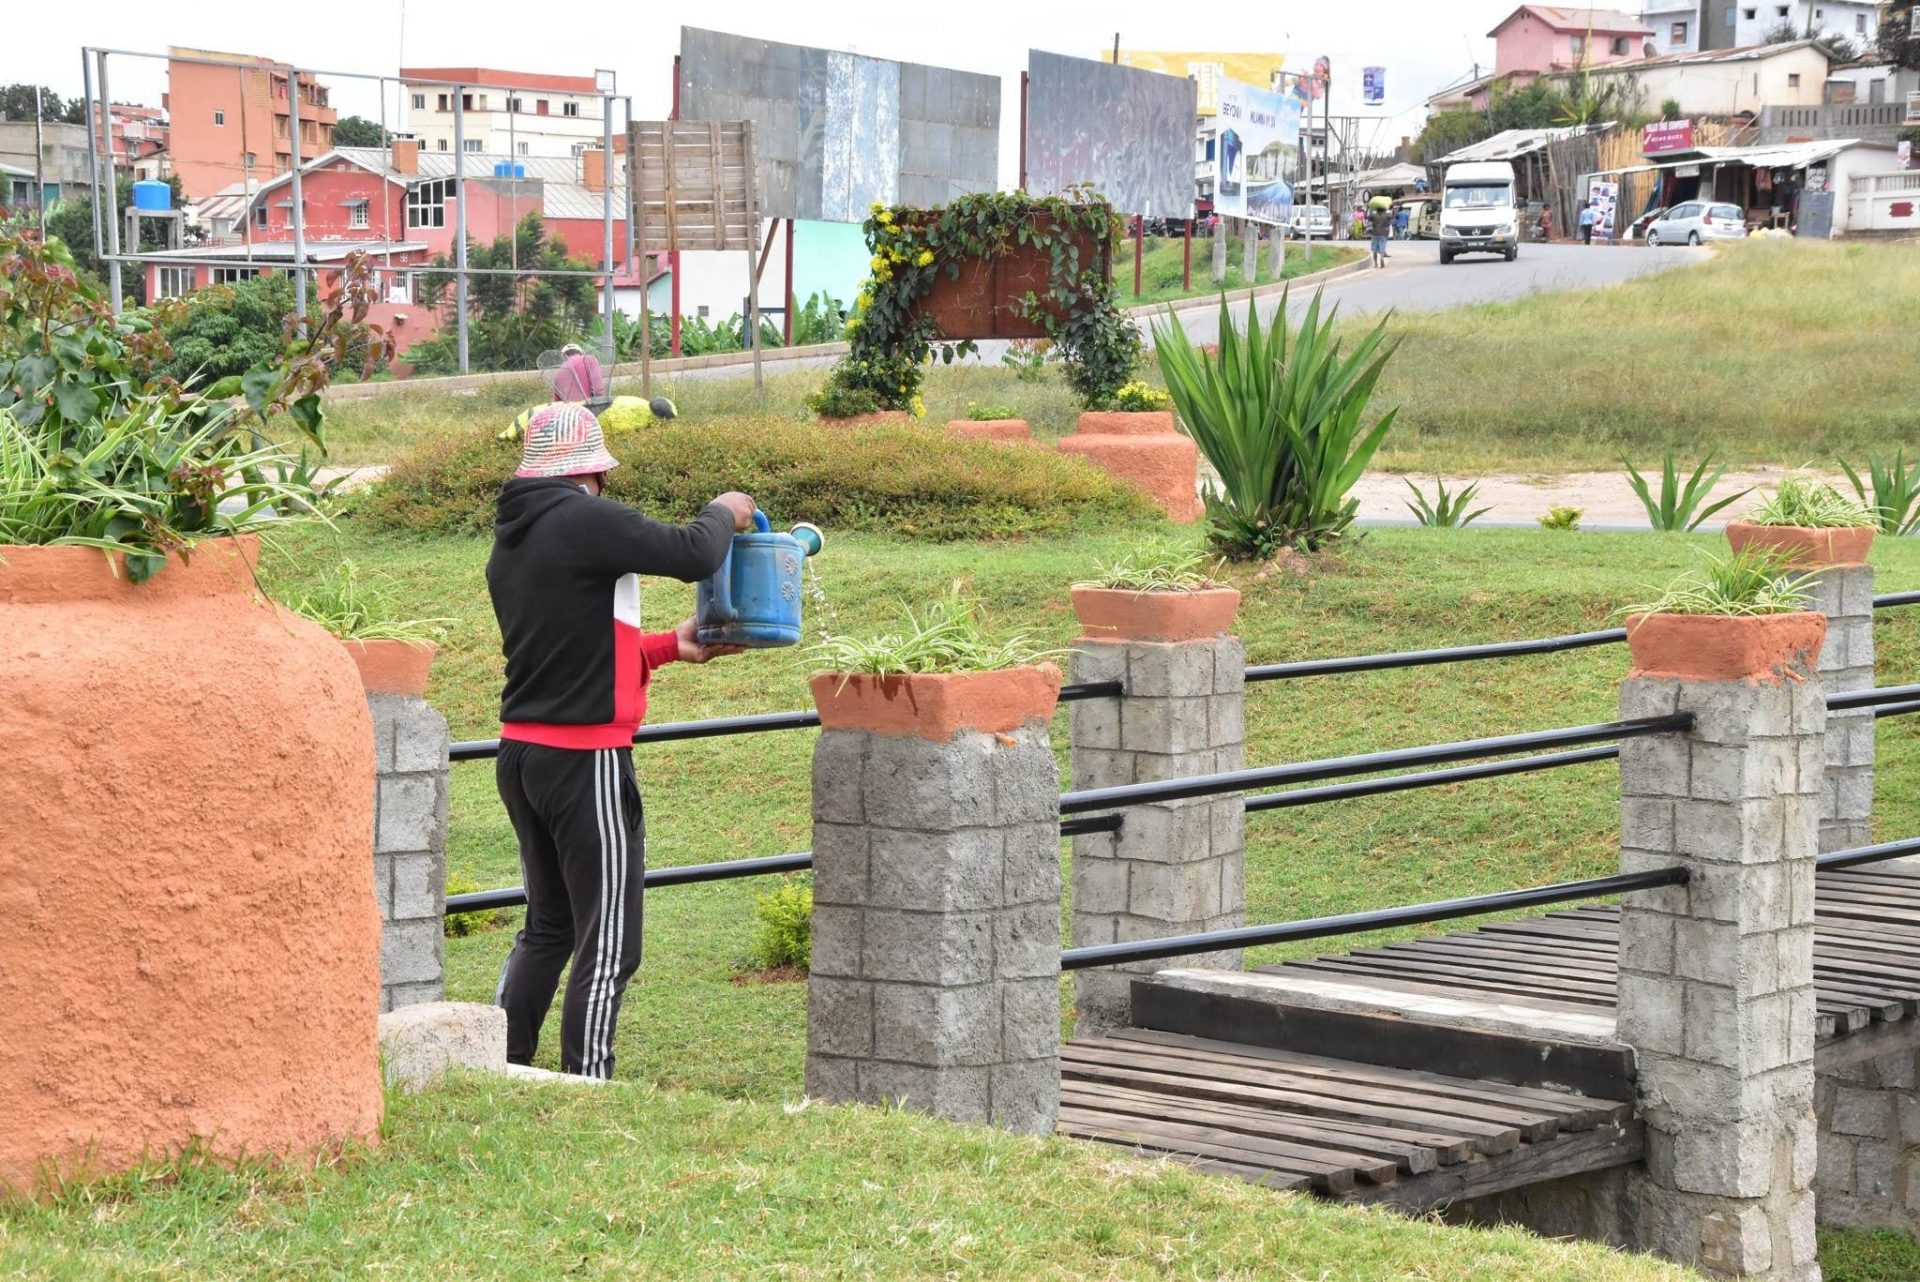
x: 1540, y: 38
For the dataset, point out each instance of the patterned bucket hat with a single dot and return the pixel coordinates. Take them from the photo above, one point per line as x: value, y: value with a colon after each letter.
x: 564, y: 439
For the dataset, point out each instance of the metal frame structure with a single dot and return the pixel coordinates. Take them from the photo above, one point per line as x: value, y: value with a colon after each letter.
x: 106, y: 213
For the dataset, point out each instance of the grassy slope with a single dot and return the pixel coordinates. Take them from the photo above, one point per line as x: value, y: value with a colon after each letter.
x: 489, y: 1180
x: 1784, y: 353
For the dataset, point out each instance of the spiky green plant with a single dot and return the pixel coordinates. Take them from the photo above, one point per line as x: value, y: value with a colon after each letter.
x: 1155, y: 567
x: 1445, y: 511
x: 1280, y: 418
x: 947, y: 635
x: 354, y: 612
x: 1809, y: 504
x: 1895, y: 499
x: 1733, y: 584
x: 1679, y: 507
x: 1562, y: 518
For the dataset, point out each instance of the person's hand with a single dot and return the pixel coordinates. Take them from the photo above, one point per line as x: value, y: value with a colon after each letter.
x: 691, y: 651
x: 741, y: 506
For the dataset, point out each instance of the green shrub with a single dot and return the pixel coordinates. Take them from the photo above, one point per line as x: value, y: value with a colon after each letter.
x: 1806, y: 503
x: 1896, y: 491
x: 1736, y: 585
x: 839, y: 398
x: 1680, y: 507
x: 948, y: 634
x: 899, y: 479
x: 1562, y: 518
x: 1445, y: 511
x: 783, y: 925
x: 1140, y: 398
x: 460, y: 925
x: 990, y: 412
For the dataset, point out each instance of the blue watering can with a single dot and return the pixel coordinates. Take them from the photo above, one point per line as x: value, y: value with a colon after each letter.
x: 754, y: 598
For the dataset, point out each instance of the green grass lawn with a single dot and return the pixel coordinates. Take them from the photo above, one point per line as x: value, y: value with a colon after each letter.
x: 1777, y: 353
x: 1161, y: 274
x: 489, y: 1179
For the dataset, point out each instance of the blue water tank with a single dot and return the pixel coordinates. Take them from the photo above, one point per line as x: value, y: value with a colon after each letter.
x: 509, y: 169
x: 152, y: 197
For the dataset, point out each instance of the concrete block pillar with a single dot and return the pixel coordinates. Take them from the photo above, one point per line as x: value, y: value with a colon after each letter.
x: 1844, y: 593
x: 1716, y: 977
x: 410, y: 847
x: 1174, y: 867
x: 936, y: 924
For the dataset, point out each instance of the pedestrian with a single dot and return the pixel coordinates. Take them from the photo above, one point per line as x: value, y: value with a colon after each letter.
x: 1546, y: 224
x: 580, y: 379
x: 1588, y: 214
x: 1380, y: 224
x: 1401, y: 217
x: 565, y: 581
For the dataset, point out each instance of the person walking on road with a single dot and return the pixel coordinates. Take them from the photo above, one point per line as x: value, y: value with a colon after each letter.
x: 564, y: 577
x: 1380, y: 226
x: 1401, y: 217
x: 1589, y: 214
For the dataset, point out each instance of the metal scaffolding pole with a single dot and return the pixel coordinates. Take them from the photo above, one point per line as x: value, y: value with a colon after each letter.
x: 111, y: 213
x: 460, y: 220
x: 606, y: 202
x: 93, y: 158
x: 299, y: 219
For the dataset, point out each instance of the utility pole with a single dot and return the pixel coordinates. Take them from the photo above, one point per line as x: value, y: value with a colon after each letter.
x: 39, y: 167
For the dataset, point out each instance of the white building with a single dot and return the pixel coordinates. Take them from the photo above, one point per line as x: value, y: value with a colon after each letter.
x: 1853, y: 20
x: 1676, y: 27
x: 506, y: 113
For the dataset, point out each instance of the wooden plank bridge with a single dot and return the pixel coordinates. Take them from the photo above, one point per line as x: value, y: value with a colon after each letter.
x: 1241, y: 1075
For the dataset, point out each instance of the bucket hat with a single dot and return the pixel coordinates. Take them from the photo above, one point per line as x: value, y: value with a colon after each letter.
x: 564, y: 439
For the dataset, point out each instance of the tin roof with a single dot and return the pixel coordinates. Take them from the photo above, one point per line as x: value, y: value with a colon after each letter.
x: 1563, y: 18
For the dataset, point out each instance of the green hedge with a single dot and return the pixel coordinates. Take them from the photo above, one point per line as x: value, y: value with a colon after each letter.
x: 911, y: 480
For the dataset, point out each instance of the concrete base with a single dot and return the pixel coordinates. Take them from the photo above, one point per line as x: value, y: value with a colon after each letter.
x: 420, y: 1044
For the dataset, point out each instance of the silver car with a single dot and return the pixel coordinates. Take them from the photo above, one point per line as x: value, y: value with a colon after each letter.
x: 1692, y: 221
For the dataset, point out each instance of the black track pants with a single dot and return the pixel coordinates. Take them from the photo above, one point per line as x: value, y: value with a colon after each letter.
x: 582, y: 851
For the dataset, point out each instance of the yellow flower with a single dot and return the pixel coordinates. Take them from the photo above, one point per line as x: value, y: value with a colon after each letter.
x: 853, y: 323
x: 919, y: 407
x: 926, y: 257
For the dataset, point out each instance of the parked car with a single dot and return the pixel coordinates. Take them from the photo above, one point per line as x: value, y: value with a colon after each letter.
x: 1309, y: 221
x: 1694, y: 221
x: 1423, y: 215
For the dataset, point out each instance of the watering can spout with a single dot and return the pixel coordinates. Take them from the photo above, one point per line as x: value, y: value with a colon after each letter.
x: 809, y: 538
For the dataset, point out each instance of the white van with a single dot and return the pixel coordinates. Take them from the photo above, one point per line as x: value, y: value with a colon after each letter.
x: 1477, y: 211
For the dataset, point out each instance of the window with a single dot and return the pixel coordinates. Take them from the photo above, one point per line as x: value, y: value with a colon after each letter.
x: 483, y: 102
x: 260, y: 216
x: 578, y: 148
x: 219, y: 116
x: 539, y: 106
x: 1793, y: 80
x: 420, y: 102
x: 516, y: 104
x: 1780, y: 11
x: 440, y: 143
x: 1860, y: 23
x: 1678, y: 36
x: 427, y: 204
x: 444, y: 100
x: 1750, y: 14
x: 523, y: 148
x: 357, y: 214
x: 173, y: 282
x: 234, y: 275
x: 471, y: 145
x: 569, y: 108
x: 250, y: 162
x: 1619, y: 46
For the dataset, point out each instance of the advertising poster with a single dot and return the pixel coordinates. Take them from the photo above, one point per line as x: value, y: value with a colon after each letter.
x: 1373, y: 85
x: 1605, y: 195
x: 1258, y: 152
x: 1207, y: 70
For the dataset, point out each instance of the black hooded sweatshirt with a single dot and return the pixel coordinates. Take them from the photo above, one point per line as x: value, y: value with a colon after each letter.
x: 565, y: 581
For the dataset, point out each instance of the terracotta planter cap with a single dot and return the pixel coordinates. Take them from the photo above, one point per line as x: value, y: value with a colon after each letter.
x: 937, y: 706
x: 1110, y: 614
x: 1125, y: 423
x: 1805, y: 549
x: 1709, y: 647
x: 57, y: 575
x: 393, y: 667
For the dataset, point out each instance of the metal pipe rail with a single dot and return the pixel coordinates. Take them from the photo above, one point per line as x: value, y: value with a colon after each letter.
x: 1896, y: 598
x: 1427, y: 779
x: 1869, y: 854
x: 1872, y: 698
x: 1138, y: 794
x: 1896, y: 709
x: 1359, y: 923
x: 758, y: 723
x: 1425, y: 658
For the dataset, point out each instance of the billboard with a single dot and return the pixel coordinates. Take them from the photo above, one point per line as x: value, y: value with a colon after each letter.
x: 1258, y: 153
x: 834, y: 132
x: 1373, y: 85
x: 1208, y: 70
x: 1128, y: 132
x: 1666, y: 135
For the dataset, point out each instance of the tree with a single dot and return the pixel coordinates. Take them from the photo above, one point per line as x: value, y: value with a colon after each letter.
x: 511, y: 319
x: 1535, y: 107
x: 358, y: 131
x: 16, y: 103
x: 72, y: 221
x: 1448, y: 131
x: 229, y: 329
x: 1899, y: 41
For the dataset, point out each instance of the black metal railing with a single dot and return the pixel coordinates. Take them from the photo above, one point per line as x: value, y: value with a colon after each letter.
x: 1360, y: 923
x: 1869, y: 854
x: 1427, y: 658
x: 1885, y: 695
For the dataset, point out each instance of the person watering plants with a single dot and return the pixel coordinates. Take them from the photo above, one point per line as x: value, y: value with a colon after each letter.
x: 564, y: 577
x: 580, y: 379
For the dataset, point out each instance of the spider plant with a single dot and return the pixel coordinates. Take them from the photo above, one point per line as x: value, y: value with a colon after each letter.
x: 1733, y: 585
x: 949, y: 635
x: 1445, y: 511
x: 1154, y: 567
x: 1280, y: 418
x: 352, y: 612
x: 1804, y: 502
x: 1679, y: 507
x: 1896, y: 491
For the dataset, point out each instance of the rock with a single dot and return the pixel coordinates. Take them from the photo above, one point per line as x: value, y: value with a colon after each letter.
x: 419, y: 1044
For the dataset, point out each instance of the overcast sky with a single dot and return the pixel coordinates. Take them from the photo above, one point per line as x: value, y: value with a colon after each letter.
x: 1423, y: 44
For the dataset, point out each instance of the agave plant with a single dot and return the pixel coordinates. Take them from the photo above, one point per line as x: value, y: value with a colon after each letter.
x: 1679, y: 507
x: 1445, y: 511
x: 1896, y: 491
x: 1280, y: 417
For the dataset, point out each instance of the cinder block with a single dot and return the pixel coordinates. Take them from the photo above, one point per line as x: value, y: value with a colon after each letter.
x: 410, y: 952
x: 839, y: 1017
x: 1646, y: 697
x: 838, y: 939
x: 832, y: 1078
x: 958, y: 871
x: 1652, y: 1013
x: 1226, y: 721
x: 1168, y: 832
x: 1835, y: 1171
x: 1099, y: 768
x: 1647, y: 941
x: 1099, y: 888
x: 419, y: 736
x: 916, y: 1024
x: 1030, y: 865
x: 411, y: 814
x: 1713, y: 1032
x: 383, y: 708
x: 1179, y: 669
x: 1026, y: 942
x: 1646, y: 823
x: 419, y: 887
x: 1728, y: 1161
x: 913, y: 783
x: 1657, y: 766
x: 383, y: 885
x: 839, y: 777
x: 839, y: 863
x: 1876, y: 1170
x: 1026, y: 1096
x: 1094, y: 723
x: 394, y: 996
x: 928, y: 948
x: 1860, y: 1111
x: 1026, y: 778
x: 1096, y: 660
x: 1165, y: 725
x: 959, y: 1094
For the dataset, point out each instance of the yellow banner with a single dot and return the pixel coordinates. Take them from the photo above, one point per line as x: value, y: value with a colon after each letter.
x: 1207, y: 69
